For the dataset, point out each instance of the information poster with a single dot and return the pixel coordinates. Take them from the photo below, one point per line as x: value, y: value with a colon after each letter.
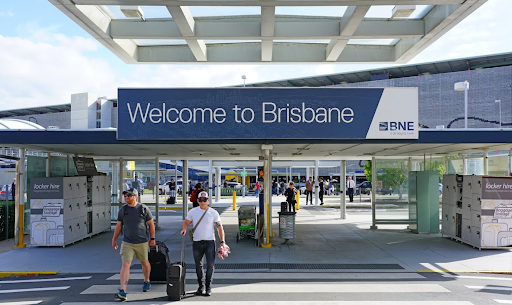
x: 496, y: 214
x: 46, y: 211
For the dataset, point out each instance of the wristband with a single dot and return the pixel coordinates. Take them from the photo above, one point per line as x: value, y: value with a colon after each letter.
x: 222, y: 242
x: 152, y: 238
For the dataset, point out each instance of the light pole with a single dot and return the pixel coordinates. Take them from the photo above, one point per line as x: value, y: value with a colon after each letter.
x: 244, y: 77
x: 499, y: 103
x: 464, y: 86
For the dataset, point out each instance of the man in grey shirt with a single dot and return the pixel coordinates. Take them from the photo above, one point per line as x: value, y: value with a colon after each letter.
x: 136, y: 221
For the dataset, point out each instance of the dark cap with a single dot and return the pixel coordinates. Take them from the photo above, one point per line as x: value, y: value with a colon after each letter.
x: 131, y: 191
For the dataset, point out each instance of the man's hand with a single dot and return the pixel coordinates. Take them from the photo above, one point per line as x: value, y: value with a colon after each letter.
x: 152, y: 243
x: 114, y: 244
x: 183, y: 232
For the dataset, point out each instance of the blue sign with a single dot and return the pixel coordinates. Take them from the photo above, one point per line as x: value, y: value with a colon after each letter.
x: 266, y: 113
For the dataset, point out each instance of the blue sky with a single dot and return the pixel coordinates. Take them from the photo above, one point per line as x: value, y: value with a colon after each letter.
x: 45, y: 57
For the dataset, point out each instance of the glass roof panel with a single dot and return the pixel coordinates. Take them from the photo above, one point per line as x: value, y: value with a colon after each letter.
x: 378, y: 42
x: 205, y: 11
x: 159, y: 42
x: 333, y: 11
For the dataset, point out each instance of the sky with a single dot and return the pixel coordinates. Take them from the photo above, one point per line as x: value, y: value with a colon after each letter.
x: 45, y: 57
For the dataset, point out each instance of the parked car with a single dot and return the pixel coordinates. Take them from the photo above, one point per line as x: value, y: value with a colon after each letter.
x: 234, y: 185
x: 440, y: 189
x: 6, y: 191
x: 365, y: 187
x: 164, y: 188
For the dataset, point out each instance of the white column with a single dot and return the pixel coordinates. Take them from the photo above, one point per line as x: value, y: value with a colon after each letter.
x: 210, y: 180
x: 464, y: 167
x: 485, y: 164
x: 315, y: 178
x: 374, y: 187
x: 185, y: 188
x: 218, y: 184
x: 48, y: 174
x: 267, y: 191
x: 121, y: 180
x: 184, y: 184
x: 343, y: 183
x: 155, y: 188
x: 243, y: 185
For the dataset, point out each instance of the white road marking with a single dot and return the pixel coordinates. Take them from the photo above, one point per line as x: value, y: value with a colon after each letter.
x: 35, y: 289
x: 490, y: 288
x: 298, y: 276
x: 504, y: 301
x: 285, y: 288
x: 21, y: 303
x: 282, y: 303
x: 47, y: 280
x: 477, y: 277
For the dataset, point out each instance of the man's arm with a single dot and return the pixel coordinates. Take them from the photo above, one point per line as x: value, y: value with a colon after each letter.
x: 151, y: 225
x: 184, y: 226
x: 220, y: 230
x: 117, y: 232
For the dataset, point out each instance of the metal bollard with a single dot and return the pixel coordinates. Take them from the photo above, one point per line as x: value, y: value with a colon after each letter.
x: 234, y: 200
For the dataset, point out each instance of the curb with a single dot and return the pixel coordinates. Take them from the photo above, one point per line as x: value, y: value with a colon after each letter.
x: 27, y: 273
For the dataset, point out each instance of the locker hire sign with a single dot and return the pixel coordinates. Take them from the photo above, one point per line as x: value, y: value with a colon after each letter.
x: 496, y: 212
x: 268, y: 113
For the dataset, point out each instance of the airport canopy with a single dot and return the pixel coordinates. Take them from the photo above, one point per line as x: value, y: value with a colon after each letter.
x: 267, y: 31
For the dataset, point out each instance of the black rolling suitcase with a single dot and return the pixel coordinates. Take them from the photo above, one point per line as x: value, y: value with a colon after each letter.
x: 176, y: 277
x: 284, y: 206
x: 159, y: 260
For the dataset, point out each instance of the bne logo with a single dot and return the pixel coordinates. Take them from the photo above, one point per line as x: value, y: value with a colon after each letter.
x: 394, y: 126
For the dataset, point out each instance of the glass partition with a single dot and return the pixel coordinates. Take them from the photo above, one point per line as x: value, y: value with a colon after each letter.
x: 475, y: 166
x: 391, y: 195
x: 498, y: 165
x: 456, y: 166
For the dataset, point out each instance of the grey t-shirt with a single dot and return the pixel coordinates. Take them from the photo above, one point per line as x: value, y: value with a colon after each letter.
x: 134, y: 223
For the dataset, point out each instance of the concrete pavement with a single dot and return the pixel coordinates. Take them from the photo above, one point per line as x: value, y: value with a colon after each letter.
x: 321, y: 238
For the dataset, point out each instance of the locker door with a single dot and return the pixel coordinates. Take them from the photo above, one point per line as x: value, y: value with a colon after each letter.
x: 466, y: 208
x: 477, y: 185
x: 476, y: 204
x: 466, y: 230
x: 475, y: 237
x: 69, y: 229
x: 475, y: 219
x: 69, y: 209
x: 68, y: 187
x: 467, y: 187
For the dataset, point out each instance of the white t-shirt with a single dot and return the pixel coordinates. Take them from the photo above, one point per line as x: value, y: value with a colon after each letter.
x: 205, y: 229
x: 351, y: 184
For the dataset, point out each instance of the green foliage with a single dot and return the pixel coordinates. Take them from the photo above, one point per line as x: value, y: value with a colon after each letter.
x: 368, y: 170
x: 438, y: 166
x: 11, y: 219
x: 394, y: 174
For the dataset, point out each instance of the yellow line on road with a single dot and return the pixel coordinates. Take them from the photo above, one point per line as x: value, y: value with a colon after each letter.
x: 27, y: 273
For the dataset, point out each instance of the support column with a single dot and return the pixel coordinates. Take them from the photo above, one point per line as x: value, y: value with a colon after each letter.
x: 267, y: 195
x: 185, y: 189
x: 374, y: 187
x: 19, y: 211
x: 343, y: 184
x: 121, y: 180
x: 210, y: 180
x: 243, y: 185
x: 315, y: 178
x: 218, y: 184
x: 67, y: 165
x: 176, y: 180
x: 485, y: 164
x: 155, y: 189
x: 464, y: 167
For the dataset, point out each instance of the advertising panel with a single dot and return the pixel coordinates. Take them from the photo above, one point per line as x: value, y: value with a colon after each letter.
x: 46, y: 211
x: 496, y: 215
x: 268, y: 113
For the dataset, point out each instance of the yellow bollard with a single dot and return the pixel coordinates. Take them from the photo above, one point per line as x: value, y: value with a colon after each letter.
x: 234, y: 200
x: 297, y: 207
x: 21, y: 244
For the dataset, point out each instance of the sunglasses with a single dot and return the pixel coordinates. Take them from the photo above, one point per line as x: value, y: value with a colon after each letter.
x: 203, y: 200
x: 128, y: 195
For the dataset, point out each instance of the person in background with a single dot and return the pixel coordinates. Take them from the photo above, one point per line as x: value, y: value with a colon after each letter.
x: 321, y: 186
x: 194, y: 195
x: 291, y: 196
x: 13, y: 189
x: 351, y: 185
x: 257, y: 187
x: 309, y: 190
x: 136, y: 222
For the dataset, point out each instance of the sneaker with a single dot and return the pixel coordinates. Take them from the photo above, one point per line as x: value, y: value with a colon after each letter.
x: 121, y: 295
x: 322, y: 203
x: 208, y: 291
x: 146, y: 286
x: 199, y: 291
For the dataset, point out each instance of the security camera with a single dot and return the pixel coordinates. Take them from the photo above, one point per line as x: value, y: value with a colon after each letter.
x: 200, y: 154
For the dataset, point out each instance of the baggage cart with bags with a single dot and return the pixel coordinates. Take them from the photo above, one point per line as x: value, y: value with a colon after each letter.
x: 247, y: 223
x: 159, y: 260
x: 176, y: 277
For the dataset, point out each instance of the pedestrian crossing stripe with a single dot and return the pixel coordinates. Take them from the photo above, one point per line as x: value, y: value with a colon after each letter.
x: 283, y: 303
x: 34, y: 289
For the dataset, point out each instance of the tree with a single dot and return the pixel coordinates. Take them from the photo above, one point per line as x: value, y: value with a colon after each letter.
x: 368, y: 170
x: 395, y: 174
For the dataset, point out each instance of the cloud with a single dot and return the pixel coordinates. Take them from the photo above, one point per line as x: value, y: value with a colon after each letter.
x: 6, y: 14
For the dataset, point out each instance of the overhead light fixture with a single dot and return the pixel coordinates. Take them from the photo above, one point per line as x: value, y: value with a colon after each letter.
x: 132, y: 11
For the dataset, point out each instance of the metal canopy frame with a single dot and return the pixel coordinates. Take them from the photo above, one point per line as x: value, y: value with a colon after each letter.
x: 277, y: 38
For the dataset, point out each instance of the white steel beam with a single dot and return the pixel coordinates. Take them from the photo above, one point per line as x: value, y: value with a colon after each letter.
x: 97, y: 24
x: 349, y: 23
x: 263, y: 2
x: 268, y: 16
x: 251, y: 53
x: 185, y: 23
x: 251, y: 28
x: 438, y: 21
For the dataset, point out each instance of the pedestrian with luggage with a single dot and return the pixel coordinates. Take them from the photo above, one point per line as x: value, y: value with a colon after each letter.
x: 204, y: 219
x: 309, y: 190
x: 291, y: 196
x: 136, y: 222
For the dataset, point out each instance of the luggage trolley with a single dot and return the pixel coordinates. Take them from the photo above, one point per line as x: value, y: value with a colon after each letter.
x: 247, y: 223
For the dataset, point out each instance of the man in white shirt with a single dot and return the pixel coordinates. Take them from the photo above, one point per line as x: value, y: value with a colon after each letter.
x: 204, y: 239
x: 351, y: 185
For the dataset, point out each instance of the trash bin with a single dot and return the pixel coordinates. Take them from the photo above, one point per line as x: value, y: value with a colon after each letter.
x: 287, y: 225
